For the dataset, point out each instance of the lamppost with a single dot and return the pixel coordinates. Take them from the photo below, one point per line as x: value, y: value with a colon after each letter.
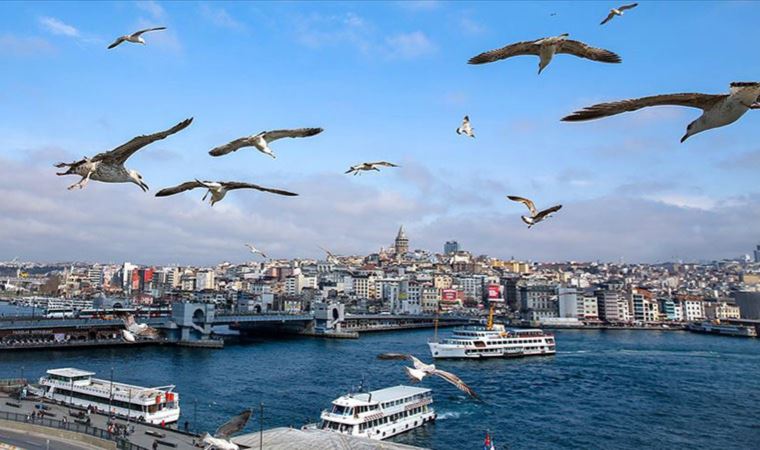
x: 110, y: 396
x: 261, y: 426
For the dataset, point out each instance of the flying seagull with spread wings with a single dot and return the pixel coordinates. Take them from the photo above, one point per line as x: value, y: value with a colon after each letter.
x: 535, y: 215
x: 217, y: 189
x: 221, y: 438
x: 545, y: 49
x: 717, y: 110
x: 254, y: 250
x: 618, y: 12
x: 108, y: 167
x: 133, y: 329
x: 135, y: 38
x: 261, y: 141
x: 367, y: 166
x: 466, y: 127
x: 422, y: 370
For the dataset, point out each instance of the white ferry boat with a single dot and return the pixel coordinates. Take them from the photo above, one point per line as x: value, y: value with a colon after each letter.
x: 379, y: 414
x: 725, y: 329
x: 77, y: 387
x: 493, y: 341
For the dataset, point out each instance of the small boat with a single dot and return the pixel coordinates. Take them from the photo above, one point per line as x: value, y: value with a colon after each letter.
x: 379, y: 414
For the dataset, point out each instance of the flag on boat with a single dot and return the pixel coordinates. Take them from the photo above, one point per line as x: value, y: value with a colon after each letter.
x: 488, y: 444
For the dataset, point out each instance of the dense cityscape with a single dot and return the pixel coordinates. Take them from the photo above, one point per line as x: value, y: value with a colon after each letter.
x: 398, y: 280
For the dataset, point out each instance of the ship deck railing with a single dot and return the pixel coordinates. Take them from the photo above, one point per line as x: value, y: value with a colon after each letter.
x: 74, y: 427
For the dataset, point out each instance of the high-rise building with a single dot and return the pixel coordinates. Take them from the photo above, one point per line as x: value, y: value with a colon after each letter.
x: 452, y: 247
x: 757, y: 254
x: 402, y: 242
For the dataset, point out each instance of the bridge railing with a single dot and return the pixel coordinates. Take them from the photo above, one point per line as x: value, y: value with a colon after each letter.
x: 74, y: 427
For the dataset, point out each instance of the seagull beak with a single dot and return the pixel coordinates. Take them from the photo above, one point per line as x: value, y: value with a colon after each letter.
x: 144, y: 187
x: 685, y: 136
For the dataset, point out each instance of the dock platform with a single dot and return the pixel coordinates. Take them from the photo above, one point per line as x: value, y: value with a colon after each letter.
x: 294, y: 439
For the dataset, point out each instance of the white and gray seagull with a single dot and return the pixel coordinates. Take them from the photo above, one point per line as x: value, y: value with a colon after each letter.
x: 717, y: 109
x: 618, y: 12
x: 422, y: 370
x: 367, y: 166
x: 135, y: 38
x: 254, y: 250
x: 217, y: 189
x: 545, y: 49
x: 261, y: 141
x: 535, y: 215
x: 466, y: 127
x: 108, y: 167
x: 221, y: 438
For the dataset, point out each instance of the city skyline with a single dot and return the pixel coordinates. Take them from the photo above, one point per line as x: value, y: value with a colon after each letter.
x: 629, y: 189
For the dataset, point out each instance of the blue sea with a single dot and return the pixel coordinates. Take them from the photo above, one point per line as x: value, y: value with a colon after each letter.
x: 604, y: 389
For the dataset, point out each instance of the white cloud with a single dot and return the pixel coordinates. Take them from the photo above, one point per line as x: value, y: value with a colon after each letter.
x: 686, y: 201
x: 58, y: 27
x: 409, y: 45
x: 419, y: 5
x: 470, y: 26
x: 220, y: 17
x: 155, y: 10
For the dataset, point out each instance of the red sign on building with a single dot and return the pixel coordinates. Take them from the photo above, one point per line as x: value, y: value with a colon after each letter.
x: 494, y: 291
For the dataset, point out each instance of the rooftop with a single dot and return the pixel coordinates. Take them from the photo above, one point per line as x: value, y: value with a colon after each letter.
x: 70, y: 372
x: 384, y: 395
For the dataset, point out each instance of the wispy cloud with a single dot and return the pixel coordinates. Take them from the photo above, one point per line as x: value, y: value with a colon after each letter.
x: 471, y: 27
x: 58, y: 27
x: 220, y: 17
x: 153, y: 8
x: 319, y: 30
x: 166, y: 40
x: 745, y: 161
x: 409, y: 45
x: 24, y: 45
x: 419, y: 5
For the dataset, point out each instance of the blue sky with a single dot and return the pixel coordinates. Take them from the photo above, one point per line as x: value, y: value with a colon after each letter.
x: 386, y: 81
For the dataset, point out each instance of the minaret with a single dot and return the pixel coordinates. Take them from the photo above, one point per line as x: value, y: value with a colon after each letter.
x: 402, y: 243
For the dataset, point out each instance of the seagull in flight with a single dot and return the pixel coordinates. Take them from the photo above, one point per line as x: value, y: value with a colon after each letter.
x: 535, y: 215
x: 422, y: 370
x: 108, y: 167
x: 132, y: 329
x: 221, y: 438
x: 466, y: 127
x: 717, y: 110
x: 254, y: 250
x: 545, y: 49
x: 618, y: 12
x: 217, y: 189
x: 261, y: 141
x: 135, y: 38
x: 331, y: 258
x: 367, y: 166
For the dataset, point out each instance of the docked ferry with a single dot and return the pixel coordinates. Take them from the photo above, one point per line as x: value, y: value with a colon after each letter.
x: 379, y: 414
x: 493, y: 341
x: 78, y: 387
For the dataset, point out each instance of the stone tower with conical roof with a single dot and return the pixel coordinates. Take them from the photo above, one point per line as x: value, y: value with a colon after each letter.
x: 402, y: 243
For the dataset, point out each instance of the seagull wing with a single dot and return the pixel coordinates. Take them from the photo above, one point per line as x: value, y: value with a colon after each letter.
x: 582, y: 50
x: 625, y: 7
x: 531, y: 206
x: 231, y: 146
x: 382, y: 163
x: 186, y: 186
x: 547, y: 211
x: 270, y: 136
x: 118, y: 41
x: 520, y: 48
x: 232, y: 185
x: 701, y: 101
x: 456, y: 381
x: 234, y: 425
x: 609, y: 17
x: 121, y: 153
x: 138, y: 33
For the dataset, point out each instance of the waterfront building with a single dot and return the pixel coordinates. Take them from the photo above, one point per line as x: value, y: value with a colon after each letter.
x: 749, y: 304
x: 613, y: 306
x: 645, y: 306
x: 757, y: 254
x: 538, y: 301
x: 430, y: 299
x: 452, y: 247
x: 569, y: 306
x: 722, y: 310
x: 590, y: 307
x: 667, y: 309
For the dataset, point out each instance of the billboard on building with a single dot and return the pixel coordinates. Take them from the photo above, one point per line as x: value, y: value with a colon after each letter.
x: 494, y: 291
